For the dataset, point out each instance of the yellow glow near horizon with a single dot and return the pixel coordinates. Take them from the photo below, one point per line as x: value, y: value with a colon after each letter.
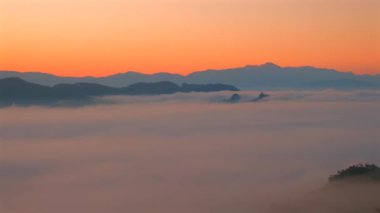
x: 101, y: 37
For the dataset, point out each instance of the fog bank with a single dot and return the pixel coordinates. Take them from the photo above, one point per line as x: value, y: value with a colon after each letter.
x: 183, y: 153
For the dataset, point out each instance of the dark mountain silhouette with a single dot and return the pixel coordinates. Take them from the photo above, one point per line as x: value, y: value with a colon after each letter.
x: 267, y: 76
x: 206, y: 87
x: 83, y: 89
x: 20, y: 92
x: 235, y: 98
x: 260, y: 97
x: 163, y: 87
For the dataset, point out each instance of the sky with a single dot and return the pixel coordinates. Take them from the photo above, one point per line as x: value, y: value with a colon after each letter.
x: 102, y: 37
x: 185, y: 153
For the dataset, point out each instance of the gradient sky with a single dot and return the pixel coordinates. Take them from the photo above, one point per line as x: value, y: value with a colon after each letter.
x: 101, y: 37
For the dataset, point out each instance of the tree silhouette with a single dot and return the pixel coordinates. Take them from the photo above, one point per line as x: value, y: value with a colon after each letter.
x: 369, y: 171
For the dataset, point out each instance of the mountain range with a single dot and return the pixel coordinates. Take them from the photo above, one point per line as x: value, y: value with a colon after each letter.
x: 267, y: 76
x: 20, y: 92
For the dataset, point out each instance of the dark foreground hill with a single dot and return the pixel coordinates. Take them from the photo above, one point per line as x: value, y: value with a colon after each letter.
x: 352, y: 190
x: 20, y: 92
x: 359, y: 172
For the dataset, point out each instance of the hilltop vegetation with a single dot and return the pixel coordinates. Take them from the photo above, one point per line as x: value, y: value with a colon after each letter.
x: 369, y: 172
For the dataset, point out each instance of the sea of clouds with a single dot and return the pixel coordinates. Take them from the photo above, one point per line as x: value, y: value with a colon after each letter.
x: 183, y: 153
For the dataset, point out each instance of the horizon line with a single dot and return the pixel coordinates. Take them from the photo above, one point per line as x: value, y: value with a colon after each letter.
x: 192, y: 72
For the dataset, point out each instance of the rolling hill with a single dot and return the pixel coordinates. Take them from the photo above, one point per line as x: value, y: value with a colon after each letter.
x: 20, y: 92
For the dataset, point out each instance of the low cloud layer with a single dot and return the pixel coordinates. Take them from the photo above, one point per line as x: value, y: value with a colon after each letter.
x: 182, y: 153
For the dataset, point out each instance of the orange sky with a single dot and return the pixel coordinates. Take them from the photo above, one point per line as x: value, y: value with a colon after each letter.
x: 101, y: 37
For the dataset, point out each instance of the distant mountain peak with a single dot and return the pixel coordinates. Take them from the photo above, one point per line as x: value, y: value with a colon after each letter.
x: 270, y: 65
x: 265, y: 76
